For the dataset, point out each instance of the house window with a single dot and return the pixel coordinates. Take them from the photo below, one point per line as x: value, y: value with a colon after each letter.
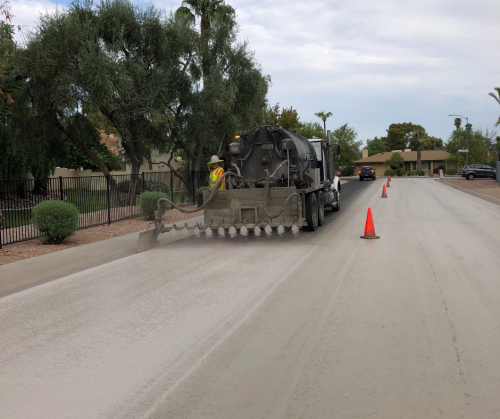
x: 425, y: 165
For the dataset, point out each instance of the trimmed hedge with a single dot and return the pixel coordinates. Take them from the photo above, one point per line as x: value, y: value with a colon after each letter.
x: 156, y: 185
x: 389, y: 172
x: 148, y: 202
x: 420, y: 173
x: 56, y: 220
x: 452, y: 172
x: 410, y: 173
x: 199, y: 195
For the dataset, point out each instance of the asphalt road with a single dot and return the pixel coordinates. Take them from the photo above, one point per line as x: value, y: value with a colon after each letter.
x: 325, y: 325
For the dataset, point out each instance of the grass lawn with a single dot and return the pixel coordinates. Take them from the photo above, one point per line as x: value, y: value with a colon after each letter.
x: 86, y: 201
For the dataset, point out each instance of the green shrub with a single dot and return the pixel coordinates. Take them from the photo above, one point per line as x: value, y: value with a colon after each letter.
x: 389, y: 172
x: 199, y: 195
x: 149, y: 203
x: 56, y: 220
x: 123, y: 186
x: 420, y: 173
x: 410, y: 173
x: 452, y: 172
x: 347, y: 171
x: 155, y: 185
x: 401, y: 172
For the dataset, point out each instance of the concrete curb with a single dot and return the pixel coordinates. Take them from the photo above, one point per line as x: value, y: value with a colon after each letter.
x: 28, y: 273
x: 476, y: 194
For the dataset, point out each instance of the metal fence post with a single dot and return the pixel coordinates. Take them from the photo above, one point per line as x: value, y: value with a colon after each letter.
x: 192, y: 182
x: 108, y: 199
x: 171, y: 186
x: 61, y: 188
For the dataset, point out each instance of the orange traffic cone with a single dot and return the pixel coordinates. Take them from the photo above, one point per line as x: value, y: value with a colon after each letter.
x: 388, y: 183
x: 389, y: 178
x: 369, y: 227
x: 384, y: 193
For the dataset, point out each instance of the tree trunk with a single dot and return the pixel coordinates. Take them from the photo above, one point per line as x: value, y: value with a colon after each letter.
x: 135, y: 154
x: 419, y: 157
x: 102, y: 167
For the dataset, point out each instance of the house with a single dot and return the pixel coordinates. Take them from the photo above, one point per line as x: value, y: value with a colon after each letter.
x: 430, y: 159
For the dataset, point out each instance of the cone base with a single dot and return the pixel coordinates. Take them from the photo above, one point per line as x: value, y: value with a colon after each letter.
x: 385, y: 196
x: 369, y: 237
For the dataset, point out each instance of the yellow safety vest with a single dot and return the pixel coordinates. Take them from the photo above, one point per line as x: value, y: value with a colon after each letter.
x: 215, y: 176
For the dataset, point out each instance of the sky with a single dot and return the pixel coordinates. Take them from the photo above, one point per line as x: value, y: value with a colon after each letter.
x: 370, y: 63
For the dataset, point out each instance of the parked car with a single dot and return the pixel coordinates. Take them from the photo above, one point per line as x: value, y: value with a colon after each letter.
x: 367, y: 171
x: 472, y: 171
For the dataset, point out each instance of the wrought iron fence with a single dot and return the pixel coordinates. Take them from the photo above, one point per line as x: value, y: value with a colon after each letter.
x: 100, y: 199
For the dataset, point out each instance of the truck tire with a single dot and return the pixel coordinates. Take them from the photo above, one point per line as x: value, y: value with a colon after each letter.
x: 337, y: 206
x: 312, y: 211
x: 321, y: 209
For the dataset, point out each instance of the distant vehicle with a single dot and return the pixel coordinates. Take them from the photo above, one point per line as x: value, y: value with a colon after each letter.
x: 472, y: 171
x: 367, y: 171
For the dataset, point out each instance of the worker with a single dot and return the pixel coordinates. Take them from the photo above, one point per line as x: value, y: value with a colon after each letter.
x: 216, y: 172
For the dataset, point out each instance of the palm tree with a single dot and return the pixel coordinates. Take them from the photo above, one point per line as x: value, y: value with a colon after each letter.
x: 419, y: 138
x: 497, y: 98
x: 207, y: 11
x: 458, y: 123
x: 324, y: 116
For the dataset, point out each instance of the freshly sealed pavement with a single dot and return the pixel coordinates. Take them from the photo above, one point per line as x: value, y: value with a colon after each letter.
x: 323, y: 325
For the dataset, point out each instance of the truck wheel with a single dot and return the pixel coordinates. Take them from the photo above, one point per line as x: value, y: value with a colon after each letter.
x: 312, y: 211
x: 321, y: 209
x: 336, y: 207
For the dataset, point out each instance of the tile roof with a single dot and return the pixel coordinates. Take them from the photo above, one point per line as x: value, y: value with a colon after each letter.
x: 427, y: 155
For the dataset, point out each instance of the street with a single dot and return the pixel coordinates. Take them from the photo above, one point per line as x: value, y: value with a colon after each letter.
x: 323, y: 325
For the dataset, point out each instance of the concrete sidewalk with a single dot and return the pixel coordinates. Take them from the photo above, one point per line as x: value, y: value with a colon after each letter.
x: 24, y: 274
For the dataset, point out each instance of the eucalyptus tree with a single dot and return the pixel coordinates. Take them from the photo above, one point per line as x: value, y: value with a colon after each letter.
x: 324, y: 116
x: 123, y: 60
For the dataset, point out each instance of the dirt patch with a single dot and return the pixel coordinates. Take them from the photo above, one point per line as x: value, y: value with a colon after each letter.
x: 25, y: 250
x: 489, y: 187
x: 474, y: 184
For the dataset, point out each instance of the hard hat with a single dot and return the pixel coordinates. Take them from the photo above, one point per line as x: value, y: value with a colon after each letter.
x: 214, y: 159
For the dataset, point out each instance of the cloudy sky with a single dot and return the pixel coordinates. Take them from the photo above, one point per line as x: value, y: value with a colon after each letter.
x: 370, y: 63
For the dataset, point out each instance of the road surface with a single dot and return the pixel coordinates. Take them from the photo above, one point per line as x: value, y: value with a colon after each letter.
x: 325, y: 325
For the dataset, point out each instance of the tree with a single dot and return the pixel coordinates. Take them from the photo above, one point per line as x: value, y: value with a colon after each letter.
x: 396, y: 161
x: 375, y: 146
x: 345, y: 136
x: 457, y: 141
x: 120, y: 59
x: 497, y: 98
x: 233, y: 97
x: 324, y: 116
x: 310, y: 130
x: 399, y: 135
x: 73, y: 158
x: 419, y: 137
x: 208, y: 11
x: 288, y: 118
